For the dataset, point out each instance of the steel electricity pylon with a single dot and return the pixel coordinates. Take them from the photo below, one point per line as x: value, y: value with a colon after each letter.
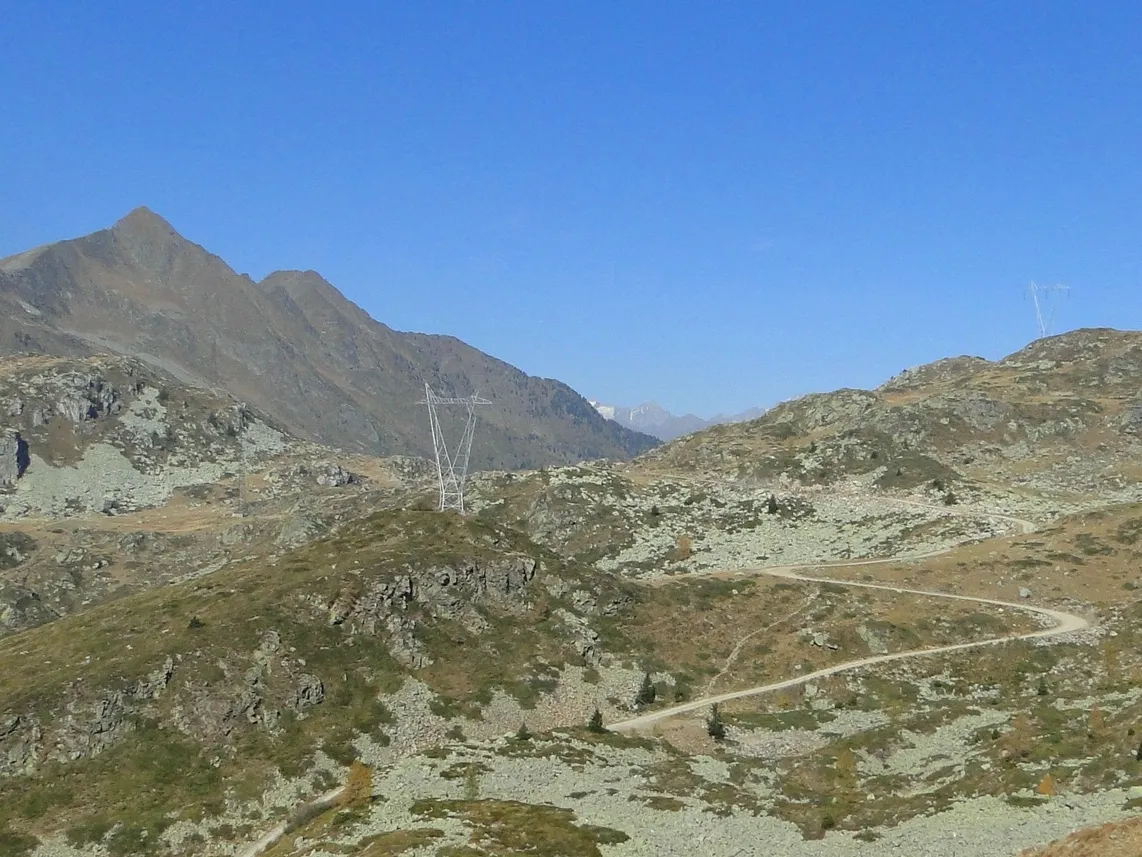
x: 452, y: 466
x: 1043, y: 314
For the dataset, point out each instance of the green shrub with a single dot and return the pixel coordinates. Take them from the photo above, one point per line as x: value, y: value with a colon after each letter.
x: 88, y: 832
x: 14, y: 844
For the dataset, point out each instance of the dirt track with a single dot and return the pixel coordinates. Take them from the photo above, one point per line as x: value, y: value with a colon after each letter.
x: 1064, y: 623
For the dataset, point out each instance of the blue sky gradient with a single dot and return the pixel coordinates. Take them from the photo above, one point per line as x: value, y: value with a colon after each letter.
x: 713, y: 205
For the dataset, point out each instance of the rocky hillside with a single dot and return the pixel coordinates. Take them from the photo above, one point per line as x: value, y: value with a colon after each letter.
x: 278, y: 665
x: 291, y: 345
x: 419, y: 642
x: 116, y: 477
x: 206, y: 622
x: 1063, y: 414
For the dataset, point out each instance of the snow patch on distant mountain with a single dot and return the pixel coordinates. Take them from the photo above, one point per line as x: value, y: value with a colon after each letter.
x: 653, y: 419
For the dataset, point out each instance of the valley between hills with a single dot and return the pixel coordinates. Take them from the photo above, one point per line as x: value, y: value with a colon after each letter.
x: 232, y: 624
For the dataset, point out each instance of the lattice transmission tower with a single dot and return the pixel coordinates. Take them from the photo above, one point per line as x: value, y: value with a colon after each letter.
x: 452, y: 465
x: 1044, y: 307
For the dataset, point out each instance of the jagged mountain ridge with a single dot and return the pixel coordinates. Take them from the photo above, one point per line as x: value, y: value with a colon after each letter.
x: 291, y: 345
x: 1065, y: 411
x: 653, y: 419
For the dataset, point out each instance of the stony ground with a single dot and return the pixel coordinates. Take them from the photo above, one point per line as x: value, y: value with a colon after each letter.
x: 923, y: 758
x: 679, y: 524
x: 722, y: 806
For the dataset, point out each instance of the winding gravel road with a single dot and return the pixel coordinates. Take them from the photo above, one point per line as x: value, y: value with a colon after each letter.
x: 1064, y: 623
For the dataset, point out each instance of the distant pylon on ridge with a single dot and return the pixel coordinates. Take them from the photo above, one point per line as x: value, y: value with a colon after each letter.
x: 451, y: 468
x: 1044, y: 320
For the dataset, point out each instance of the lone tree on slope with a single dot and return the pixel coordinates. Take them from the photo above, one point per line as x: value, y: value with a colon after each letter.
x: 647, y: 692
x: 715, y: 727
x: 595, y: 724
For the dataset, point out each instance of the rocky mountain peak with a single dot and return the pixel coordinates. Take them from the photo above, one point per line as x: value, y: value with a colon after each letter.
x: 143, y: 221
x: 292, y: 345
x: 144, y: 250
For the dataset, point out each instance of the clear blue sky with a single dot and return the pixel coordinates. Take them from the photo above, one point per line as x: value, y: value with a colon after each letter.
x: 713, y: 205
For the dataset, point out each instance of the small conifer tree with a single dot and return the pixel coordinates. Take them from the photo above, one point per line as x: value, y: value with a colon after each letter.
x: 595, y: 724
x: 715, y: 727
x: 647, y: 692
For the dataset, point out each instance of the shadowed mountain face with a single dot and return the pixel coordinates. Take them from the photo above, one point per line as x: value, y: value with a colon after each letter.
x: 292, y: 345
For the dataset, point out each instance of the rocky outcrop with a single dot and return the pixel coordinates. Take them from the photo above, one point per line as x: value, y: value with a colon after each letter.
x: 21, y: 742
x: 20, y: 607
x: 334, y: 475
x: 584, y: 638
x: 393, y: 606
x: 14, y: 457
x: 90, y: 398
x: 310, y: 692
x: 88, y: 725
x: 1131, y: 419
x: 71, y: 395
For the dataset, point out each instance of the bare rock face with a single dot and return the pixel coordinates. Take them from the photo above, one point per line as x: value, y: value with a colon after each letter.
x: 13, y: 457
x: 393, y: 607
x: 1131, y: 420
x: 584, y: 638
x: 334, y: 475
x: 88, y: 726
x: 20, y: 745
x: 89, y: 399
x: 310, y: 692
x: 154, y: 684
x: 20, y: 608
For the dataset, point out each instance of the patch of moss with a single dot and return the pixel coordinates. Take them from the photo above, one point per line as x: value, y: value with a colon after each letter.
x: 510, y: 827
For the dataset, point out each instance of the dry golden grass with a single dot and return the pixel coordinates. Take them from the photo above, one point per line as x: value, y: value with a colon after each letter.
x: 1117, y: 839
x: 725, y: 634
x: 1092, y: 557
x: 359, y: 786
x: 685, y: 547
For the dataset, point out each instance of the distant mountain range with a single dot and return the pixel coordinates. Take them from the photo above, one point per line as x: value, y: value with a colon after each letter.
x: 651, y: 418
x: 290, y: 345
